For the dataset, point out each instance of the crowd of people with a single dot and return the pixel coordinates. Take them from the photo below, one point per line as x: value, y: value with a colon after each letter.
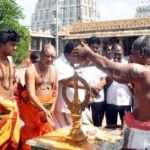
x: 38, y: 107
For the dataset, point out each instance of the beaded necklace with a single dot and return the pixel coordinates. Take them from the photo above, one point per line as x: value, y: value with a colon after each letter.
x: 5, y: 76
x: 46, y: 83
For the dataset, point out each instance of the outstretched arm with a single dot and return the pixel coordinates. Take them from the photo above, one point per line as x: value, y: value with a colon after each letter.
x: 126, y: 73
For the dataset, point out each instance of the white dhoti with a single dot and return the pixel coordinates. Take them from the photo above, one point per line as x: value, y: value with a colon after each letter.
x: 136, y: 133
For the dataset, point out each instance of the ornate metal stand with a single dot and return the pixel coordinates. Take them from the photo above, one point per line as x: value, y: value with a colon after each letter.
x: 76, y: 107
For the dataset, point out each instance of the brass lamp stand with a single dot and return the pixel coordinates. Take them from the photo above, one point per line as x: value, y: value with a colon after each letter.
x: 76, y: 107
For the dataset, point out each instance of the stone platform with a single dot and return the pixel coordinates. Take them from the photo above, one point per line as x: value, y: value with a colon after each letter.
x: 98, y: 138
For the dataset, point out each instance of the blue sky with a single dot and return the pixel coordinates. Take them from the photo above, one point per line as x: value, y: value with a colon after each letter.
x: 109, y: 9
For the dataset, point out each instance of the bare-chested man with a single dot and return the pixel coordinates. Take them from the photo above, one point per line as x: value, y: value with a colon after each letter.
x: 41, y: 83
x: 137, y: 124
x: 9, y: 118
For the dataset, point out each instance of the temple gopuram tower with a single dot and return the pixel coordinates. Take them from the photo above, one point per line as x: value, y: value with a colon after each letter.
x: 69, y: 12
x: 143, y: 9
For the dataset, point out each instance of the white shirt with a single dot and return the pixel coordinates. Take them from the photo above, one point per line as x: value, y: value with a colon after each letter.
x: 93, y: 75
x: 119, y: 94
x: 65, y: 70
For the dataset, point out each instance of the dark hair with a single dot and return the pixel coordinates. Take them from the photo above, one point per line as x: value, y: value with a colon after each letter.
x: 142, y: 44
x: 35, y: 55
x: 9, y: 35
x: 70, y: 46
x: 94, y: 40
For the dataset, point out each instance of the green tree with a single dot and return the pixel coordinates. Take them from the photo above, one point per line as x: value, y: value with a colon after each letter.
x: 10, y: 14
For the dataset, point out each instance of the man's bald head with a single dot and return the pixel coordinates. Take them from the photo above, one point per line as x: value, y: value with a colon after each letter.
x: 47, y: 54
x: 117, y: 47
x: 117, y: 52
x: 49, y: 49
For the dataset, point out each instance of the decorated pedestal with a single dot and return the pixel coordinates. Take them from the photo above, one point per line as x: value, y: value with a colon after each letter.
x: 97, y: 139
x: 77, y: 136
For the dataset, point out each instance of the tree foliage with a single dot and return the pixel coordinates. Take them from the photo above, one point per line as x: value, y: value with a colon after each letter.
x: 10, y: 14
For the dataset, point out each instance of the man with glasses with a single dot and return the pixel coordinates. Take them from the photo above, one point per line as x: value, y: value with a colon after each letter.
x: 119, y: 95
